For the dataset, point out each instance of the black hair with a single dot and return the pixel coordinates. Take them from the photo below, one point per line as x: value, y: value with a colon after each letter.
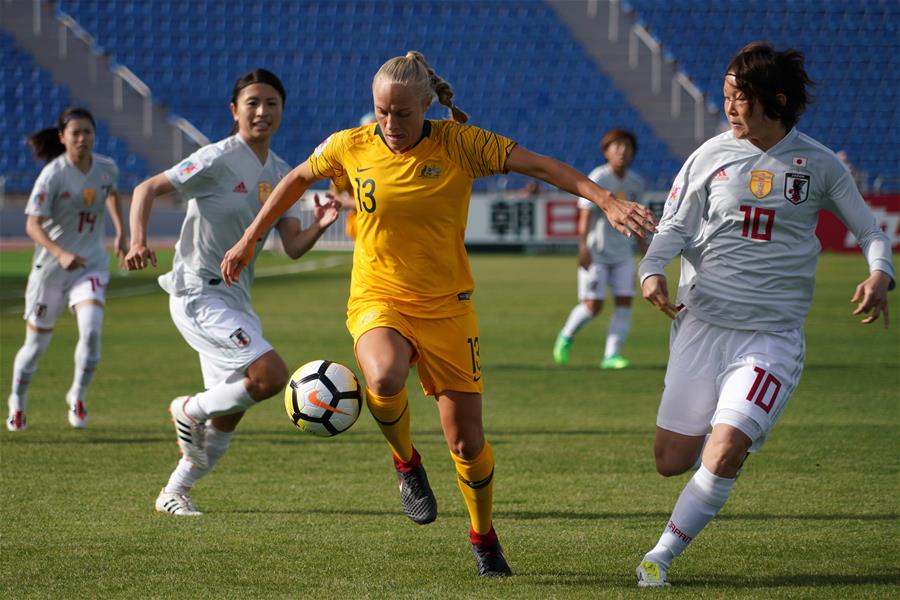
x: 761, y: 73
x: 256, y: 76
x: 45, y: 144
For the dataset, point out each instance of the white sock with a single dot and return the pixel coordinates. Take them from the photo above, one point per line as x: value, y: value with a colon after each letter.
x: 618, y: 331
x: 580, y: 316
x: 87, y: 350
x: 186, y: 474
x: 25, y: 365
x: 700, y: 500
x: 222, y: 399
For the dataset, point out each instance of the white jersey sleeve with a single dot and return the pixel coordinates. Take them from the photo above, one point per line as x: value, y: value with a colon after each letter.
x: 849, y: 206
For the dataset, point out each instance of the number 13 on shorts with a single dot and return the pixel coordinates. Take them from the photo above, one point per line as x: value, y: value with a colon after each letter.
x: 475, y: 356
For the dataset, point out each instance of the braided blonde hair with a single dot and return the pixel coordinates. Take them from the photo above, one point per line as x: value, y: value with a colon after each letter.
x: 413, y: 71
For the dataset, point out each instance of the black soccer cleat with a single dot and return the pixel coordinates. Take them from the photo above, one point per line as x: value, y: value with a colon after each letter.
x: 416, y: 497
x: 489, y: 560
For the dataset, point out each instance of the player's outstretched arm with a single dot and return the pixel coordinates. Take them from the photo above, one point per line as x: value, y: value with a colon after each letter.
x: 297, y: 241
x: 871, y: 298
x: 139, y: 255
x: 285, y: 194
x: 625, y: 216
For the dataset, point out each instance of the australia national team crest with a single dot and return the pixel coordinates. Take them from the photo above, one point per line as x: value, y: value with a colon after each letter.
x: 240, y: 338
x: 761, y: 183
x: 430, y: 170
x: 796, y: 187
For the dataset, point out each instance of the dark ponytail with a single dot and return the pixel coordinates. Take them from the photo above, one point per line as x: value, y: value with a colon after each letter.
x: 45, y: 144
x: 256, y: 76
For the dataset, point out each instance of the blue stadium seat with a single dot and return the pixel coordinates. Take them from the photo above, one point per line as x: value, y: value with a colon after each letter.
x: 32, y: 101
x: 848, y: 46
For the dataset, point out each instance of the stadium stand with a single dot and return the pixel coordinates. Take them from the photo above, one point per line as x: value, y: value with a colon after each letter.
x: 502, y: 58
x: 851, y: 50
x: 33, y: 101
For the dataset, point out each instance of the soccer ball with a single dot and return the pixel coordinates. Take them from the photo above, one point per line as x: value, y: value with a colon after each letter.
x: 323, y: 398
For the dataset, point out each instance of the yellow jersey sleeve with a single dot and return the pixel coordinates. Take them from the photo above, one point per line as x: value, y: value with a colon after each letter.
x: 476, y: 151
x: 327, y: 160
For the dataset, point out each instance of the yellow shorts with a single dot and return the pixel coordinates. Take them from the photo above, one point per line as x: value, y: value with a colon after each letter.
x: 446, y: 349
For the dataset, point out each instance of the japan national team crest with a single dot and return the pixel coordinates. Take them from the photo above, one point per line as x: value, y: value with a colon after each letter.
x: 240, y: 338
x: 761, y: 183
x: 796, y: 187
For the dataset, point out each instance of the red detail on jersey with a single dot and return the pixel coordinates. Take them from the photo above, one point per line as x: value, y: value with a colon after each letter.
x: 799, y: 161
x: 720, y: 175
x: 240, y: 188
x: 65, y: 195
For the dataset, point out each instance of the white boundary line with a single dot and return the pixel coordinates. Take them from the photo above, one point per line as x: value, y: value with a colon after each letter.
x: 300, y: 267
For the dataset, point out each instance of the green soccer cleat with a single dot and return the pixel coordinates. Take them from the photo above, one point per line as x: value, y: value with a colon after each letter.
x: 615, y: 362
x: 561, y: 349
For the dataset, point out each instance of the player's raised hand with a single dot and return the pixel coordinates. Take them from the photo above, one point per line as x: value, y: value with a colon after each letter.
x: 234, y: 261
x: 139, y: 257
x: 656, y: 292
x: 871, y: 298
x: 629, y: 217
x: 326, y: 213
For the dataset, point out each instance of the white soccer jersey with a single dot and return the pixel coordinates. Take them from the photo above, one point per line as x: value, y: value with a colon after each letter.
x: 73, y: 204
x: 225, y: 186
x: 605, y: 244
x: 744, y: 222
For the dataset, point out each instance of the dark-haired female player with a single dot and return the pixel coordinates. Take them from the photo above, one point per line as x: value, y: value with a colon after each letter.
x: 742, y: 213
x: 70, y: 266
x: 225, y: 185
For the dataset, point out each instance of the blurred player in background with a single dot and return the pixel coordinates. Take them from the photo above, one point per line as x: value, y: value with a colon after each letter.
x: 225, y: 185
x: 411, y: 291
x: 742, y: 213
x: 605, y: 256
x: 70, y: 267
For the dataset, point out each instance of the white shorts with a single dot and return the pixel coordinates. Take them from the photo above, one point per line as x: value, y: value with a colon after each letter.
x: 620, y: 277
x: 721, y: 375
x: 46, y: 296
x: 227, y: 340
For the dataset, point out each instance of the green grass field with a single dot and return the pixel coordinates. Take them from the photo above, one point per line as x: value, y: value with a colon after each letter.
x: 577, y: 499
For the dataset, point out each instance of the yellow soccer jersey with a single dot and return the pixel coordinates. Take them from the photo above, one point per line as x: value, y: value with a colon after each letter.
x: 411, y: 211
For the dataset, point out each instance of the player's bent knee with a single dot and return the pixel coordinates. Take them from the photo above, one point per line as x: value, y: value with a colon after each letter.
x: 386, y: 382
x: 267, y: 376
x: 669, y: 466
x: 467, y: 447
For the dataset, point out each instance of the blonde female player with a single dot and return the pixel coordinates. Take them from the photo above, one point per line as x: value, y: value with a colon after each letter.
x: 225, y: 185
x: 70, y: 265
x: 411, y: 291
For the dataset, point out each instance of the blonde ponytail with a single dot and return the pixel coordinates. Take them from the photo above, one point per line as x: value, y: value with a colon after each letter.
x: 413, y: 71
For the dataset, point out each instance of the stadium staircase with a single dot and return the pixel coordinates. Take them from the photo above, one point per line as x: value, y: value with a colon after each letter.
x: 635, y: 62
x: 81, y: 73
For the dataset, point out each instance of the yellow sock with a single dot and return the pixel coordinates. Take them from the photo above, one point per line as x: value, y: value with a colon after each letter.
x: 475, y: 479
x: 392, y: 415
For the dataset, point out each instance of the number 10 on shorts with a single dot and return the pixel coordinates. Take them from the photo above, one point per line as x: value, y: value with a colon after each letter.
x: 764, y: 390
